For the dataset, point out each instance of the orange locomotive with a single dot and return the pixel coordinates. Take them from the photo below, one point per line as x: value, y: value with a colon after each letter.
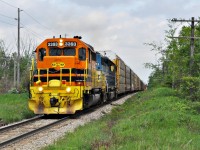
x: 70, y: 76
x: 66, y: 79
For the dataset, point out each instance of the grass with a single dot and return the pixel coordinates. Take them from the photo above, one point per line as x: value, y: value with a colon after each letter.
x: 14, y: 107
x: 155, y: 119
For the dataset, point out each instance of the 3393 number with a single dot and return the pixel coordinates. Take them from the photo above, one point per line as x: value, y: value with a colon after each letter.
x: 70, y: 44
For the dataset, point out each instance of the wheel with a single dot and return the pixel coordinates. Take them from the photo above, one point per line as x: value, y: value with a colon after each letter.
x: 103, y: 97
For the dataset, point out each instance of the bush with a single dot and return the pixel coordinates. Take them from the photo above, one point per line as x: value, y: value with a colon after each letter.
x: 190, y: 88
x: 13, y: 91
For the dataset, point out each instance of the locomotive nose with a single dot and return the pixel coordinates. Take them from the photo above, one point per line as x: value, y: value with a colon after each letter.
x: 53, y: 101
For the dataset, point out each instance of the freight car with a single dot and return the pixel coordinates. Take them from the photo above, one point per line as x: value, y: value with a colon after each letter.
x: 68, y: 75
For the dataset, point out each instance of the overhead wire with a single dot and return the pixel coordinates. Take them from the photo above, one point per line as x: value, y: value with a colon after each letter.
x: 35, y: 19
x: 7, y: 23
x: 45, y: 27
x: 28, y: 14
x: 6, y: 16
x: 32, y: 32
x: 8, y: 4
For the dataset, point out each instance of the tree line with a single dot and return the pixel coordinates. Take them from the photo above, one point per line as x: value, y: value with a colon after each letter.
x: 174, y: 68
x: 8, y: 65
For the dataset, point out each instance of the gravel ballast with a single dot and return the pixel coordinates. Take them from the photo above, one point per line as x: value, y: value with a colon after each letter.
x: 48, y: 137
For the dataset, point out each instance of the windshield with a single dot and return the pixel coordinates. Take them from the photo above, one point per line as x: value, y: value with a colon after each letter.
x: 55, y: 52
x: 69, y: 52
x: 62, y: 51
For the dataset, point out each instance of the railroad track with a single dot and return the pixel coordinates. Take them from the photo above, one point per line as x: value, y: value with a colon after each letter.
x: 19, y: 131
x: 12, y: 126
x: 16, y: 132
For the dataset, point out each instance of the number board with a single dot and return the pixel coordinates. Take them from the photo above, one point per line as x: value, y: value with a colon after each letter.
x: 52, y: 44
x: 70, y: 44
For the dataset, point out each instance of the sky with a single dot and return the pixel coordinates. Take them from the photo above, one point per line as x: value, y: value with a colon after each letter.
x: 122, y: 26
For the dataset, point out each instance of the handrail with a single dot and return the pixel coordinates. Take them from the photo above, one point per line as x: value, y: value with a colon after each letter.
x: 86, y: 67
x: 86, y: 71
x: 33, y: 65
x: 84, y: 76
x: 48, y: 75
x: 70, y: 76
x: 38, y: 74
x: 31, y: 71
x: 61, y: 74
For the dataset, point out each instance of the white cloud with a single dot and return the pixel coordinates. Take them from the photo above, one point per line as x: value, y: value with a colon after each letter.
x: 121, y: 26
x: 102, y: 3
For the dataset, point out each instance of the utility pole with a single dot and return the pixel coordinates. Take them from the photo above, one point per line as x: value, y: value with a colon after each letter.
x: 191, y: 40
x: 18, y: 52
x: 14, y: 71
x: 192, y: 47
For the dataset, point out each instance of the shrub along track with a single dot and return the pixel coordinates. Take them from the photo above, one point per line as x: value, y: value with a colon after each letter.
x: 35, y: 135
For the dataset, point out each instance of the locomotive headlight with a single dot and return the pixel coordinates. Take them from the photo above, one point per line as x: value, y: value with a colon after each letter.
x: 68, y: 89
x: 60, y: 44
x: 40, y: 89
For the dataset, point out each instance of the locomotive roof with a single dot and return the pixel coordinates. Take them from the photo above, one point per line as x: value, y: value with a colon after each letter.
x: 90, y: 47
x: 106, y: 59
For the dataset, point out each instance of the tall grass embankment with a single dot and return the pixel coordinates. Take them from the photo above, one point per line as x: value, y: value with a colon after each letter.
x: 14, y: 107
x: 154, y: 119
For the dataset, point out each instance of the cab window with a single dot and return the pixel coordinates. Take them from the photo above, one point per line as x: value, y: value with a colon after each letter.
x: 69, y: 51
x: 82, y: 54
x: 41, y: 54
x: 93, y: 56
x: 55, y: 52
x: 89, y: 54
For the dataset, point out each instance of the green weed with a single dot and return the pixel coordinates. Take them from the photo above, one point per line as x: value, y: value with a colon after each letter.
x: 14, y: 107
x: 155, y: 119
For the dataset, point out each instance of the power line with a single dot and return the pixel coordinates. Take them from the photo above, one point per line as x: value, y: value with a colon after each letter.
x: 6, y: 16
x: 187, y: 37
x: 28, y: 14
x: 37, y: 21
x: 8, y: 4
x: 31, y: 31
x: 183, y: 20
x: 192, y: 37
x: 7, y: 23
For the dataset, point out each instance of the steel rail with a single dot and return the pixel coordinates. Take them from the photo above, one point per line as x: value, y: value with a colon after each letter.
x: 15, y: 125
x: 28, y: 134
